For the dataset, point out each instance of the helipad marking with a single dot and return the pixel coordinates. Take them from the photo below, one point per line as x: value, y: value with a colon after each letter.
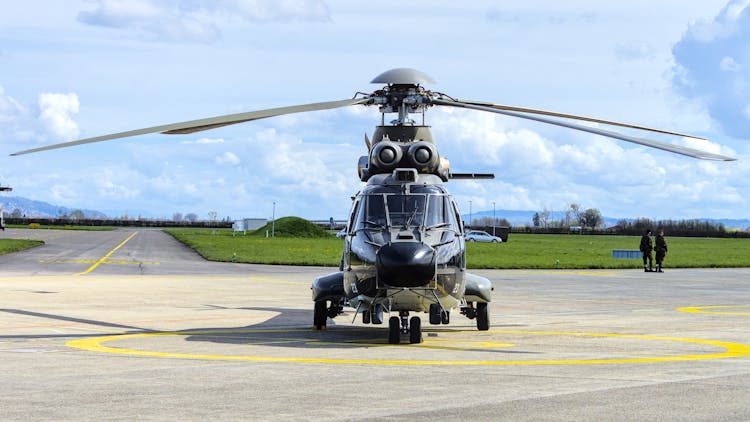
x: 105, y: 257
x: 710, y: 310
x: 96, y: 344
x: 91, y: 261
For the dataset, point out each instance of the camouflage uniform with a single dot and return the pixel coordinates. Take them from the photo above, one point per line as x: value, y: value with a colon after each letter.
x: 661, y: 250
x: 646, y: 247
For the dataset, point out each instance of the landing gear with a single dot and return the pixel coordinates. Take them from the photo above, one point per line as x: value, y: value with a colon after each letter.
x: 323, y: 312
x: 483, y: 316
x: 377, y: 314
x: 320, y: 315
x: 438, y: 315
x: 394, y: 331
x: 480, y: 311
x: 435, y: 311
x: 398, y: 325
x: 374, y: 315
x: 415, y: 332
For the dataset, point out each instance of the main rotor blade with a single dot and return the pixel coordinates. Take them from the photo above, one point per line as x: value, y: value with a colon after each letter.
x: 576, y: 117
x: 205, y: 124
x: 677, y: 149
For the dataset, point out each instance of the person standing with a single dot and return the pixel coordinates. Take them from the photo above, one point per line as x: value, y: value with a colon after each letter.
x: 661, y: 250
x: 646, y: 248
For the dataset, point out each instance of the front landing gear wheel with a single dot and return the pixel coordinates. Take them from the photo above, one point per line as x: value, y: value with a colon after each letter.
x: 320, y: 315
x: 415, y: 330
x: 483, y: 316
x: 394, y: 330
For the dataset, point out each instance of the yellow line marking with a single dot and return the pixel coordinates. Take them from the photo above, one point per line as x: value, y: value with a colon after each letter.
x: 89, y: 261
x: 708, y: 310
x: 731, y: 350
x: 104, y: 258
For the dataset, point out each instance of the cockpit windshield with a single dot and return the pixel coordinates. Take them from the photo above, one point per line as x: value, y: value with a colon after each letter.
x: 387, y: 210
x: 406, y: 210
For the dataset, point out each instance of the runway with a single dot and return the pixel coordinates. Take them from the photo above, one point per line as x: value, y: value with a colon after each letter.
x: 131, y: 324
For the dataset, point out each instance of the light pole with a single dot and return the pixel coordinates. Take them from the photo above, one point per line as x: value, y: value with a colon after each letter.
x: 273, y: 221
x: 469, y: 213
x: 493, y: 218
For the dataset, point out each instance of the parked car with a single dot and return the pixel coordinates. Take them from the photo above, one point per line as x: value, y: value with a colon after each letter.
x: 481, y: 236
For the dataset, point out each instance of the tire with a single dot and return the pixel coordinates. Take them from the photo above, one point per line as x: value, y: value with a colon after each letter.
x: 435, y: 312
x: 483, y: 316
x: 320, y: 315
x: 415, y: 330
x: 394, y: 330
x: 445, y: 317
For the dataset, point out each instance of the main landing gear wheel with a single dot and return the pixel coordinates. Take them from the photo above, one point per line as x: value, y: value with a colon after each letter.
x: 394, y: 330
x: 435, y: 314
x: 438, y: 315
x: 320, y: 315
x: 483, y: 316
x: 401, y: 324
x: 415, y: 331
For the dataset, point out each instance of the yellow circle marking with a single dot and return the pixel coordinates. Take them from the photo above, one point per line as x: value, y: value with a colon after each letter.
x: 731, y: 350
x: 714, y: 310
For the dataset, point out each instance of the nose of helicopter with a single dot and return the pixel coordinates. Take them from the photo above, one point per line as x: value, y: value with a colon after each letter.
x: 406, y: 264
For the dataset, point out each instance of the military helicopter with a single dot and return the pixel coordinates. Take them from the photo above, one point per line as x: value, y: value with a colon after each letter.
x: 404, y: 249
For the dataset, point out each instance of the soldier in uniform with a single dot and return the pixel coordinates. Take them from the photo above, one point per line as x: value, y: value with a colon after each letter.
x: 646, y: 247
x: 661, y: 250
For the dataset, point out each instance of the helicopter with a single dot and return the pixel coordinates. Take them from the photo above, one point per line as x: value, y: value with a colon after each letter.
x: 404, y: 250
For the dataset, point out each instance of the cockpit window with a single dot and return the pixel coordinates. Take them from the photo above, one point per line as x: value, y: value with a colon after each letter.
x: 381, y: 210
x: 406, y: 210
x: 439, y: 212
x: 372, y: 212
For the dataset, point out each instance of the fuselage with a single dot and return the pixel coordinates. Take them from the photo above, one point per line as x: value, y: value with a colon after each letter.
x: 404, y: 247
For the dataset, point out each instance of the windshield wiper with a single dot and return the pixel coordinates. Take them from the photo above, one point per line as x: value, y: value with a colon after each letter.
x: 372, y: 223
x: 411, y: 217
x: 438, y: 226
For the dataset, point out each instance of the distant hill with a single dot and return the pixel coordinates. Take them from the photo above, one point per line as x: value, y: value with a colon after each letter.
x: 525, y: 218
x: 32, y: 208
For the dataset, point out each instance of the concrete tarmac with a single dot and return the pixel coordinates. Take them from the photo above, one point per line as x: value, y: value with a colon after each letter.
x: 131, y: 324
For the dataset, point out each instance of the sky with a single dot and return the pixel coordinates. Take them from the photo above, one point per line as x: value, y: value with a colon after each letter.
x: 74, y: 69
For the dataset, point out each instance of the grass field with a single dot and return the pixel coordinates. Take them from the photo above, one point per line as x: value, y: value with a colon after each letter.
x: 15, y: 245
x: 522, y: 251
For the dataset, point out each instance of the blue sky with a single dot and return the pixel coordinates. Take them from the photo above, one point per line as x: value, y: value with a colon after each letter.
x: 76, y: 69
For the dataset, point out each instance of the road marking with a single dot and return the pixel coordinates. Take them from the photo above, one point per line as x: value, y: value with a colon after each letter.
x: 104, y: 258
x: 710, y: 310
x: 96, y: 344
x: 90, y: 261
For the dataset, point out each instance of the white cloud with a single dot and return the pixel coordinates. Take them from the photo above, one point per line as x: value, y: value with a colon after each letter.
x: 10, y: 109
x: 55, y: 113
x: 203, y: 141
x: 227, y: 158
x: 195, y: 21
x: 728, y: 64
x: 709, y: 61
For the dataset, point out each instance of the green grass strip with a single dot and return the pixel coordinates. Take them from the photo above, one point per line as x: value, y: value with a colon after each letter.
x: 530, y: 251
x: 15, y: 245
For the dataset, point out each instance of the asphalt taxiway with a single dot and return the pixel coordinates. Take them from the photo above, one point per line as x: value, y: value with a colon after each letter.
x: 131, y: 324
